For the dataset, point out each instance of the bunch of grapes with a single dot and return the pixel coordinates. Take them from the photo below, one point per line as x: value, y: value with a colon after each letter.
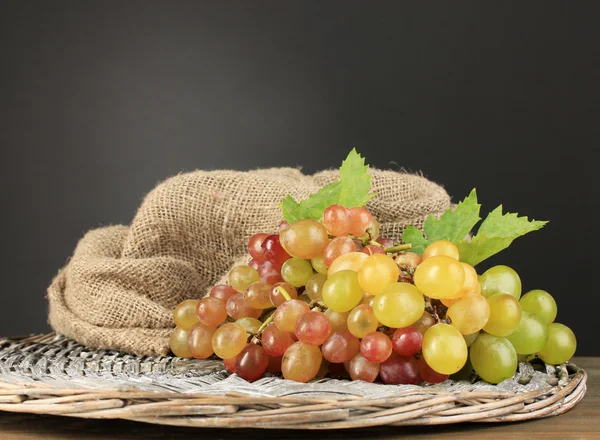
x: 332, y: 296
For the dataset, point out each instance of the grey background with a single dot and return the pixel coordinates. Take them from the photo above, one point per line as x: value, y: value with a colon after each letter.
x: 99, y: 101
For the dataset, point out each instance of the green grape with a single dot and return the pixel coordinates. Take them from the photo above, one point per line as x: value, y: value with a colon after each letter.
x: 531, y: 334
x: 362, y: 321
x: 505, y: 314
x: 319, y: 264
x: 251, y: 325
x: 469, y: 339
x: 314, y: 286
x: 493, y: 358
x: 561, y: 344
x: 241, y: 277
x: 444, y: 348
x: 541, y: 303
x: 296, y: 272
x: 465, y: 372
x: 377, y: 272
x: 500, y: 279
x: 440, y: 277
x: 399, y: 305
x: 469, y: 314
x: 342, y: 292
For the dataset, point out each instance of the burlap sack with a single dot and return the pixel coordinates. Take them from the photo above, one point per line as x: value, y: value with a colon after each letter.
x: 122, y: 283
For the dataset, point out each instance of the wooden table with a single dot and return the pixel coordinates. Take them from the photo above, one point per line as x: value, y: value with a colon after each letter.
x: 582, y: 423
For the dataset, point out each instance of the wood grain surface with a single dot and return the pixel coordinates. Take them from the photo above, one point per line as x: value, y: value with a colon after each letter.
x: 582, y: 422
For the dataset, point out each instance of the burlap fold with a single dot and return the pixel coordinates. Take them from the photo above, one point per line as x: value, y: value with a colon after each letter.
x: 122, y: 283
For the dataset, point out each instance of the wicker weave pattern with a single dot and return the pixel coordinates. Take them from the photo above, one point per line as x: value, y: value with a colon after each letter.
x: 49, y: 374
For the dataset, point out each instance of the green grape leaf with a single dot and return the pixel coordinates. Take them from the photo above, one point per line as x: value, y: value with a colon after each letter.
x: 415, y: 237
x: 497, y: 224
x: 351, y: 190
x: 454, y: 225
x: 481, y: 247
x: 496, y: 233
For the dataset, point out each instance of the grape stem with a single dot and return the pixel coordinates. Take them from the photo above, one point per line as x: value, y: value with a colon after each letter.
x: 284, y: 293
x: 398, y: 248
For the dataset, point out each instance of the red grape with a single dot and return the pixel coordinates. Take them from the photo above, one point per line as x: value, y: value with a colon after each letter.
x: 313, y: 328
x: 230, y: 364
x: 251, y: 362
x: 274, y: 364
x: 376, y: 347
x: 398, y: 370
x: 276, y: 341
x: 274, y: 252
x: 372, y: 249
x: 427, y: 374
x: 407, y: 341
x: 255, y: 247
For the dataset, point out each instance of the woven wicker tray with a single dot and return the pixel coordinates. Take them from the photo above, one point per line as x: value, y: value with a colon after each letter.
x: 50, y: 374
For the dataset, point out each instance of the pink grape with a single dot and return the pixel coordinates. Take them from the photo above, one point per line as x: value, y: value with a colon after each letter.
x: 222, y: 291
x: 376, y: 347
x: 340, y: 347
x: 258, y: 295
x: 251, y: 362
x: 301, y: 362
x: 372, y: 249
x: 282, y: 225
x: 255, y: 247
x: 385, y: 242
x: 337, y: 220
x: 230, y: 364
x: 287, y: 314
x: 305, y: 239
x: 211, y: 311
x: 361, y: 219
x: 269, y: 273
x: 338, y: 246
x: 237, y: 307
x: 407, y: 341
x: 399, y: 370
x: 361, y: 369
x: 277, y: 298
x: 275, y: 341
x: 254, y: 264
x: 313, y: 328
x: 199, y: 340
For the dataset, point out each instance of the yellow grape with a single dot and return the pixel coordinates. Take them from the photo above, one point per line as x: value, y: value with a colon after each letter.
x: 178, y: 343
x: 362, y: 321
x: 505, y: 314
x: 469, y: 314
x: 301, y: 362
x: 449, y: 301
x: 377, y: 272
x: 184, y: 314
x: 305, y: 239
x: 441, y: 247
x: 229, y: 340
x: 471, y: 282
x: 444, y: 349
x: 399, y: 305
x: 439, y: 277
x: 241, y: 277
x: 350, y: 261
x: 342, y: 292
